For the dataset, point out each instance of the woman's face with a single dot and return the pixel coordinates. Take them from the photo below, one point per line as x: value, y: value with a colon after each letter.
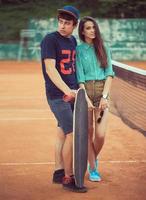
x: 89, y: 31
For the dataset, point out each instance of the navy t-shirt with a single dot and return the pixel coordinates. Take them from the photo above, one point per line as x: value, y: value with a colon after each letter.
x: 62, y: 49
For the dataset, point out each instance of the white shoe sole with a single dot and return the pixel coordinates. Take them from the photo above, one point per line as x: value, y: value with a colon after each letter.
x: 95, y: 180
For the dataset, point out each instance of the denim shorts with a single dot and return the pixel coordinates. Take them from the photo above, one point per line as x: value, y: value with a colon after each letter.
x: 63, y: 112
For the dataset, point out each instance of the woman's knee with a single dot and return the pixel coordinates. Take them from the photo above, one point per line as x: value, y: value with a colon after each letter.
x: 100, y: 135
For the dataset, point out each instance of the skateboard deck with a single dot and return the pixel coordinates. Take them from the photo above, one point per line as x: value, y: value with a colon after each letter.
x: 80, y: 137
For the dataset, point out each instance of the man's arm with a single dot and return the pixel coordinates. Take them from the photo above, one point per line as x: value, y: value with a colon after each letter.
x: 56, y: 78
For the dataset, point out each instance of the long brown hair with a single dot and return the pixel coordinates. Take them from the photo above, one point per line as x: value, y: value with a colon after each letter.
x: 97, y: 41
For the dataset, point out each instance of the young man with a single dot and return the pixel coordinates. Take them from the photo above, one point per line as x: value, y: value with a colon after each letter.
x: 58, y: 65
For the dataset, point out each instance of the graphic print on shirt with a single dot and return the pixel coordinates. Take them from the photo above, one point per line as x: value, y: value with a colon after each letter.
x: 67, y: 64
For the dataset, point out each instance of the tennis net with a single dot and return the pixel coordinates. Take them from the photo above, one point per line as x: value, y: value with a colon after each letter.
x: 128, y: 95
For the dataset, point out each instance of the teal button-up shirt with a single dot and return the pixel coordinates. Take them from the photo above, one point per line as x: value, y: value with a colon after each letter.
x: 88, y: 66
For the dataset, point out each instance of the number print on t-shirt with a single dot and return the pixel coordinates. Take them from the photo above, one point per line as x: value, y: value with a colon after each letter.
x: 69, y: 61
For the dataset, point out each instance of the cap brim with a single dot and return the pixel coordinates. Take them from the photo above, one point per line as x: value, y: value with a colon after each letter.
x: 68, y: 12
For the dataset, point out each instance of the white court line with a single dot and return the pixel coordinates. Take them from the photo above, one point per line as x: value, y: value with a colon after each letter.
x: 26, y: 119
x: 20, y: 97
x: 52, y: 163
x: 27, y: 163
x: 25, y: 110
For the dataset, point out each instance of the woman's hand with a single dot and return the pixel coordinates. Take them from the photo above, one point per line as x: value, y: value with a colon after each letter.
x: 90, y: 105
x: 103, y: 104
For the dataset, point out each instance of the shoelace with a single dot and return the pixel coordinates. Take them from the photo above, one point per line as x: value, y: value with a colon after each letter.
x: 94, y: 172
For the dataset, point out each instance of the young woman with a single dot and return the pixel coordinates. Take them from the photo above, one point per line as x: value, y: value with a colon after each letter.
x: 94, y: 74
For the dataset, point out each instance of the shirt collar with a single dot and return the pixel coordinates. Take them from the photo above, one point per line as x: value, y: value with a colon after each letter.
x: 87, y: 46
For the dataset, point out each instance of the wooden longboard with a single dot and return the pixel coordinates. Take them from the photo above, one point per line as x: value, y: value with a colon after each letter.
x: 80, y: 137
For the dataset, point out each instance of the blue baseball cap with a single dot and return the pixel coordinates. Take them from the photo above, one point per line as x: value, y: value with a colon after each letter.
x: 71, y: 10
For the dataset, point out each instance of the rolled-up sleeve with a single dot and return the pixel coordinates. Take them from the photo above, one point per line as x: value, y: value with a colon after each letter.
x: 79, y: 68
x: 109, y: 69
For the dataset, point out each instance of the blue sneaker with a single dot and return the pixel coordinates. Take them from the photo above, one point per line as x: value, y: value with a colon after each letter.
x: 94, y: 174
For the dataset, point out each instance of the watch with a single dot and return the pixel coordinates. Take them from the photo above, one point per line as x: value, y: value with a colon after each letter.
x: 104, y: 96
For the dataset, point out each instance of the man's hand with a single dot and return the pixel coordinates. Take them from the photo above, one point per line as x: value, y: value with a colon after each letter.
x: 70, y: 96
